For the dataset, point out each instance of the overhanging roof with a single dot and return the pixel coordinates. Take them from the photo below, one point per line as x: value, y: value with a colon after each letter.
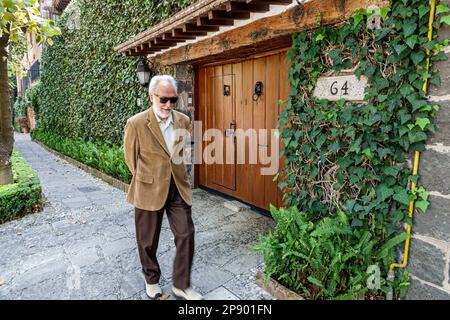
x: 267, y: 31
x: 197, y: 20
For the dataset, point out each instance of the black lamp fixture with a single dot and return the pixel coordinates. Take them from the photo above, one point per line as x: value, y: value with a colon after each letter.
x: 143, y: 72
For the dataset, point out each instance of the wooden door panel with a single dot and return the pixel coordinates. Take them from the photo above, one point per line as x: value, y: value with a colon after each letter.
x: 210, y: 173
x: 229, y: 124
x: 243, y: 181
x: 245, y: 125
x: 259, y: 119
x: 272, y: 94
x: 202, y: 115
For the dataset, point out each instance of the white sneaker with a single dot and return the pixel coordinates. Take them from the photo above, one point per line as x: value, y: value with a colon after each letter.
x: 187, y: 294
x: 153, y: 290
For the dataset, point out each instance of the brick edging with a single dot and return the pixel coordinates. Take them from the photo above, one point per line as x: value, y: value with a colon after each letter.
x: 97, y: 173
x: 276, y: 289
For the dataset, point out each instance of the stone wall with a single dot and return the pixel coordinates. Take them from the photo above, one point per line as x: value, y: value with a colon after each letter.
x: 430, y: 243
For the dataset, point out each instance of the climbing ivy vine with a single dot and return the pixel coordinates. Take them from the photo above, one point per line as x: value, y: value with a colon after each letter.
x: 355, y: 157
x: 88, y: 89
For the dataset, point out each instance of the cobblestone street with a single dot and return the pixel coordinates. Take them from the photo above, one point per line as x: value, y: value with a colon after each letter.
x: 82, y: 245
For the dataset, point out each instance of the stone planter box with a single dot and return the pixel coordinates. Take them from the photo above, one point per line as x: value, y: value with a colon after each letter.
x: 277, y: 290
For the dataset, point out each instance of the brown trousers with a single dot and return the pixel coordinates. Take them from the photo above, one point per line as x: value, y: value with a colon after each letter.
x: 148, y: 228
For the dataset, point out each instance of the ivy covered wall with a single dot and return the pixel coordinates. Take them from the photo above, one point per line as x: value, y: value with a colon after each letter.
x: 88, y: 89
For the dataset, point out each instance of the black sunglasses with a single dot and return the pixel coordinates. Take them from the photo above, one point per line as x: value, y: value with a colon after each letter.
x: 165, y: 99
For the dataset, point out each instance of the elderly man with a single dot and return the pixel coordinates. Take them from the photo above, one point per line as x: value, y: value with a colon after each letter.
x: 161, y: 184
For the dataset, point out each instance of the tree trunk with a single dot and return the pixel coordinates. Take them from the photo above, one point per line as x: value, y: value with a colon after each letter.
x: 6, y: 128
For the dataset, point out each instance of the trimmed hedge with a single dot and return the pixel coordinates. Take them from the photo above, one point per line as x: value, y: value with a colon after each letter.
x: 24, y: 195
x: 107, y: 158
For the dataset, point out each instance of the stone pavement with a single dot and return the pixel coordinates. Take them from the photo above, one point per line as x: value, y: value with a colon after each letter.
x: 82, y: 245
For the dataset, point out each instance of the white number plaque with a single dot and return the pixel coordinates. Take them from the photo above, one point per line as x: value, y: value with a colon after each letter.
x: 341, y: 87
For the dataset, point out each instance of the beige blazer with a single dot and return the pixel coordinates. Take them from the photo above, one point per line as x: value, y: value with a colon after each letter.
x: 150, y: 162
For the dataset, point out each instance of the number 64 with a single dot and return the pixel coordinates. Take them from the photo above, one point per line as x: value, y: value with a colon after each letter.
x: 334, y: 90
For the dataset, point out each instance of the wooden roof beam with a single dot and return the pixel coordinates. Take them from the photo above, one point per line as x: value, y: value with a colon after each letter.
x: 161, y: 41
x: 247, y: 7
x: 189, y: 27
x: 169, y: 36
x: 179, y: 32
x: 159, y: 46
x: 144, y: 49
x: 133, y: 53
x: 203, y: 21
x: 280, y: 2
x: 224, y: 15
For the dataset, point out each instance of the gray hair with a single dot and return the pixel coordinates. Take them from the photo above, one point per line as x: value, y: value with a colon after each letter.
x: 156, y: 80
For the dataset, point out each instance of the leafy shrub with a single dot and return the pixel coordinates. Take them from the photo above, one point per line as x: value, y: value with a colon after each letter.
x: 322, y: 259
x: 102, y: 156
x: 24, y: 195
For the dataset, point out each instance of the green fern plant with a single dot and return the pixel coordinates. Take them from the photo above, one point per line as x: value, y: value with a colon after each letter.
x: 324, y: 259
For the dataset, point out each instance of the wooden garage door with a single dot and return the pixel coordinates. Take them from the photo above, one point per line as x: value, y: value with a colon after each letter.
x: 226, y: 102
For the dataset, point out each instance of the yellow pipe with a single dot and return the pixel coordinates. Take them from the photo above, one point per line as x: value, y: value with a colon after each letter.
x: 416, y: 158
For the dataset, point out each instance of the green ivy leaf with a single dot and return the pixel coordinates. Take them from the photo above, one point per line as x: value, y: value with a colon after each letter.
x: 384, y: 12
x: 412, y: 41
x: 441, y: 9
x: 422, y: 122
x: 384, y: 192
x: 422, y: 205
x: 417, y: 57
x: 399, y: 48
x: 409, y: 28
x: 416, y: 136
x: 320, y: 37
x: 423, y: 10
x: 402, y: 197
x: 445, y: 19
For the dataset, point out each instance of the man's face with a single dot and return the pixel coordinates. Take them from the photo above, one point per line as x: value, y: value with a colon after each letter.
x: 164, y: 90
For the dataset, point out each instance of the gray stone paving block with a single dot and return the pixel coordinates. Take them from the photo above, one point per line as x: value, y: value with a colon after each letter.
x: 434, y: 173
x: 131, y: 284
x: 116, y: 247
x: 44, y: 271
x: 100, y: 280
x: 208, y: 277
x: 13, y: 249
x: 220, y: 254
x: 435, y: 222
x: 426, y: 262
x: 54, y: 288
x: 129, y: 260
x: 422, y: 291
x: 220, y: 293
x: 84, y: 257
x: 244, y: 287
x: 241, y: 262
x: 65, y: 205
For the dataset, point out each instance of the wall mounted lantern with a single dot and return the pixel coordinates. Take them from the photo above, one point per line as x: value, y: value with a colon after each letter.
x: 143, y: 72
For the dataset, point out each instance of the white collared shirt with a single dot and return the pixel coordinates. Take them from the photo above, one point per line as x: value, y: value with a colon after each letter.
x: 166, y: 130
